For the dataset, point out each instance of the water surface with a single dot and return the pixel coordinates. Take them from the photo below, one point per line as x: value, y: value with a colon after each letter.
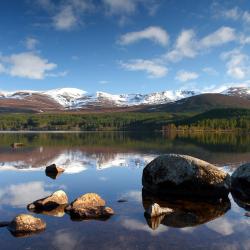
x: 111, y: 165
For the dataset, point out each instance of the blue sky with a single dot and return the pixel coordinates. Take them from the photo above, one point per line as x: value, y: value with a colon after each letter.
x: 124, y: 46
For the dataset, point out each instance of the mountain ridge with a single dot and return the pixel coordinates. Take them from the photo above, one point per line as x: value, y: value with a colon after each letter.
x: 72, y: 99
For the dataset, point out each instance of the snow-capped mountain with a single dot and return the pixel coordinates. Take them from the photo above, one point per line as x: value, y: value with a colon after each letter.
x: 72, y: 98
x: 238, y: 91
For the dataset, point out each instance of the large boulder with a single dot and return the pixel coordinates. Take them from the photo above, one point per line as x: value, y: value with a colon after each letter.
x: 185, y: 175
x: 89, y: 206
x: 241, y: 182
x: 25, y: 224
x: 48, y: 203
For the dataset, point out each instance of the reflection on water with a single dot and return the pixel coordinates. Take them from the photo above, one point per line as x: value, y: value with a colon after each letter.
x: 111, y: 165
x: 186, y: 213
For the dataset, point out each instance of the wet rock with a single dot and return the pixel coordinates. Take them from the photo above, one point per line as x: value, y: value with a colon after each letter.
x: 186, y: 212
x: 48, y: 203
x: 53, y: 175
x: 122, y: 200
x: 58, y: 211
x: 91, y: 212
x: 53, y: 169
x: 241, y: 182
x: 155, y: 210
x: 25, y: 225
x: 89, y: 206
x: 185, y: 175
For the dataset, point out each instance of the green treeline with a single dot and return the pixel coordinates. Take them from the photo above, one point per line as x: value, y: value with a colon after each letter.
x: 217, y: 119
x: 84, y: 122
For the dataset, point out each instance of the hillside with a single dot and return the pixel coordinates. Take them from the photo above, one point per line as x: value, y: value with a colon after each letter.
x: 201, y: 103
x: 216, y: 119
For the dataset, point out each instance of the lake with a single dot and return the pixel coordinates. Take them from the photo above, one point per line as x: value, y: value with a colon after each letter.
x: 111, y: 165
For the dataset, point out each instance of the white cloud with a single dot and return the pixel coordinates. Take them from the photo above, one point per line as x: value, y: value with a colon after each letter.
x: 27, y: 65
x: 237, y: 63
x: 210, y: 71
x: 120, y: 6
x: 103, y: 82
x: 136, y: 225
x: 185, y: 46
x: 188, y: 46
x: 124, y: 9
x: 233, y: 13
x: 133, y: 195
x: 2, y: 68
x: 246, y: 17
x: 153, y: 69
x: 65, y: 19
x: 184, y: 76
x: 21, y: 195
x: 66, y: 14
x: 221, y: 36
x: 31, y: 43
x: 65, y: 240
x: 153, y: 33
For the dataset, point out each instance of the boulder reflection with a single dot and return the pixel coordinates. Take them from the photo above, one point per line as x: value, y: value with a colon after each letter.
x: 56, y: 212
x: 186, y: 212
x: 241, y: 199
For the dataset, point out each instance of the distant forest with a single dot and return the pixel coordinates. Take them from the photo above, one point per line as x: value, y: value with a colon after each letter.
x: 128, y: 121
x: 217, y: 119
x: 214, y: 120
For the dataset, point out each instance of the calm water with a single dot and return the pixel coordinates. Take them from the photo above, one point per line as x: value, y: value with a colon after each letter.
x: 111, y: 165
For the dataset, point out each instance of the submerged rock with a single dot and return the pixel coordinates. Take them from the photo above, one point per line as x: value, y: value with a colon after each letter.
x: 53, y: 169
x: 184, y: 175
x: 48, y: 203
x: 183, y: 212
x: 89, y: 206
x: 241, y: 182
x: 25, y: 225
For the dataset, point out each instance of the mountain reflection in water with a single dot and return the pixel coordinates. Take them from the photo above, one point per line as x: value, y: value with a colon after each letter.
x: 111, y: 165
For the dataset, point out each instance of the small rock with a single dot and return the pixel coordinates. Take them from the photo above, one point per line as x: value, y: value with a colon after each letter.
x: 57, y: 198
x: 54, y: 169
x: 87, y: 200
x: 122, y: 200
x: 155, y: 210
x: 26, y: 224
x: 89, y: 206
x: 91, y: 212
